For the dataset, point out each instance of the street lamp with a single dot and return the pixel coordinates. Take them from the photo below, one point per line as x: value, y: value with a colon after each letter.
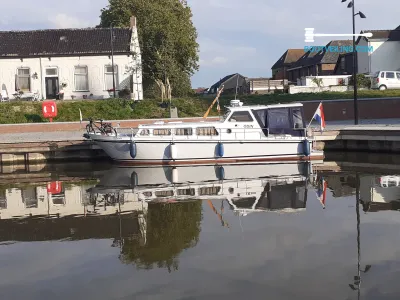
x: 356, y: 286
x: 351, y: 5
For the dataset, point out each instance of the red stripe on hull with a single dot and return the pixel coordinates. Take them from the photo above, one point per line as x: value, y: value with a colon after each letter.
x: 219, y: 161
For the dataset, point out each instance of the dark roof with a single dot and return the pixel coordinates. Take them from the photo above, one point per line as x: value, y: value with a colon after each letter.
x: 217, y: 84
x: 391, y: 35
x: 324, y: 56
x: 289, y: 57
x: 63, y: 42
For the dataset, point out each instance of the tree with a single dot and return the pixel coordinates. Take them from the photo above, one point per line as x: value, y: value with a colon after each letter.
x: 167, y: 39
x: 171, y: 228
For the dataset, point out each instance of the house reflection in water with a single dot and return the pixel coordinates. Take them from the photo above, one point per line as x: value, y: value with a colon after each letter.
x: 379, y: 193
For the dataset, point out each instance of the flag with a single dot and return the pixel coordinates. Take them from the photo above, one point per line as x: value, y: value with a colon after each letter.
x: 218, y: 107
x: 80, y: 116
x: 321, y: 191
x: 320, y: 116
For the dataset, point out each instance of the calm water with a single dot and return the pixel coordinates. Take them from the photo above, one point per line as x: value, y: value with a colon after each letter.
x: 101, y: 232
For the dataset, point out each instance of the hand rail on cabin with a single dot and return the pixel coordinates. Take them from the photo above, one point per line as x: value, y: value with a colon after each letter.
x: 222, y: 131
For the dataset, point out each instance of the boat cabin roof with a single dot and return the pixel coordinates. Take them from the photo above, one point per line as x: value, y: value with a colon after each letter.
x: 255, y: 107
x: 231, y: 109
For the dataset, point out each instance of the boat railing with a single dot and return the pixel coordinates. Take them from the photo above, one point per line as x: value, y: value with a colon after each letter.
x: 221, y: 133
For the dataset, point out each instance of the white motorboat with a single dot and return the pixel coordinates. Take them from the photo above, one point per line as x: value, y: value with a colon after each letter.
x: 245, y: 134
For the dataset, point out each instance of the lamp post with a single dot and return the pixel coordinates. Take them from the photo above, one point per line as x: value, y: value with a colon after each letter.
x: 355, y: 61
x: 356, y: 286
x: 112, y: 57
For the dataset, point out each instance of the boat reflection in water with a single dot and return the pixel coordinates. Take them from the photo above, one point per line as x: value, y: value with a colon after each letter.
x: 247, y: 188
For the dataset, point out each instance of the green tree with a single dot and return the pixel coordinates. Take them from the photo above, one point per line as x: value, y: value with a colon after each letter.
x: 167, y: 39
x: 171, y: 228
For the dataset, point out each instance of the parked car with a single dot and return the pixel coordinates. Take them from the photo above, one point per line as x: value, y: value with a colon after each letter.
x: 386, y: 80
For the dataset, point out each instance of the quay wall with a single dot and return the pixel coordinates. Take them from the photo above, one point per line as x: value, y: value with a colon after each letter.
x: 342, y: 110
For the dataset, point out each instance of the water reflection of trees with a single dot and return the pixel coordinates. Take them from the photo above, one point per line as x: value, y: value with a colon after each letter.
x: 171, y: 228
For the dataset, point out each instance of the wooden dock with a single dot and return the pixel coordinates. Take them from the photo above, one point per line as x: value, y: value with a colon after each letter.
x: 368, y: 138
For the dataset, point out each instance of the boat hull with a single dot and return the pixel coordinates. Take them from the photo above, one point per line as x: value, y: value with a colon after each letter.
x: 203, y: 152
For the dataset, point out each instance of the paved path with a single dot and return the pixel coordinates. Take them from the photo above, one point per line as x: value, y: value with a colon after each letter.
x: 77, y: 126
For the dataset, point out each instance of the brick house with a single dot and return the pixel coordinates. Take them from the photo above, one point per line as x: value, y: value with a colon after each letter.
x: 320, y: 63
x: 279, y: 69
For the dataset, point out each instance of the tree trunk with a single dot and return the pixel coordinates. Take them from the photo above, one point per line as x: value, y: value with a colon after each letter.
x: 168, y: 89
x: 162, y: 88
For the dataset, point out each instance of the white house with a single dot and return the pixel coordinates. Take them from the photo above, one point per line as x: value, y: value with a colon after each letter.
x: 41, y: 62
x: 385, y: 54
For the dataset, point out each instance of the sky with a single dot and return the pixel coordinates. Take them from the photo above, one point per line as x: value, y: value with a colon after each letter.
x: 235, y: 36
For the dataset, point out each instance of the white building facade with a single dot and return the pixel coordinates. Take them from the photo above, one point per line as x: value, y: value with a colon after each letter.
x: 73, y: 63
x: 385, y: 54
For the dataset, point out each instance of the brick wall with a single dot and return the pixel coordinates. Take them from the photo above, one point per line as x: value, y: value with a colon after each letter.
x: 344, y: 110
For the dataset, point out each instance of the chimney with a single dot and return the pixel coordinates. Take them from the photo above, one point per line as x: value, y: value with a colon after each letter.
x: 132, y: 22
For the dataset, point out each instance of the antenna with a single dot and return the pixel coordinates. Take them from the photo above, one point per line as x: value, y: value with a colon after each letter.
x: 237, y: 82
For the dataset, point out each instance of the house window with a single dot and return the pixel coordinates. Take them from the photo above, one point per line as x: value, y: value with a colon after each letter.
x: 23, y: 79
x: 108, y: 73
x: 51, y: 72
x: 81, y: 79
x: 342, y: 64
x: 241, y: 116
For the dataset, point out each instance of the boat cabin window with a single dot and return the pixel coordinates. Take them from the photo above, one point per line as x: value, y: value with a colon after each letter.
x: 162, y: 132
x: 297, y: 117
x: 278, y: 120
x: 145, y: 132
x: 286, y: 121
x: 241, y: 116
x: 206, y: 131
x: 183, y: 131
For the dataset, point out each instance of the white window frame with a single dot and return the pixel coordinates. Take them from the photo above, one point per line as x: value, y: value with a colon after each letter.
x: 48, y: 68
x: 116, y: 75
x: 80, y: 74
x: 28, y: 76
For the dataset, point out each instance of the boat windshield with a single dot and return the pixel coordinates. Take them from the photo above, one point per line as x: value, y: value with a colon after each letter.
x: 226, y: 114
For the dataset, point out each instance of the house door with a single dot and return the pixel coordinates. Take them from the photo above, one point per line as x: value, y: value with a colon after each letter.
x: 51, y: 87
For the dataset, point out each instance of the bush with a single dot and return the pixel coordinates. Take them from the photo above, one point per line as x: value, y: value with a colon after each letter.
x: 362, y: 81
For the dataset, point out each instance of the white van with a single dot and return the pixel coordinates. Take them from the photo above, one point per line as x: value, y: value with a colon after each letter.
x: 385, y: 80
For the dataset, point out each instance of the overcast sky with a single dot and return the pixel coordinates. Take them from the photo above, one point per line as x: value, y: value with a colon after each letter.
x: 234, y: 35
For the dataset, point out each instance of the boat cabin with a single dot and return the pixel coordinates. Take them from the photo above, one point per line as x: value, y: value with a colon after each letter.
x: 278, y: 119
x: 238, y: 122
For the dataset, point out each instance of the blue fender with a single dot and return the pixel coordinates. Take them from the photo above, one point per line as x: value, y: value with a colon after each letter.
x: 220, y: 172
x: 306, y: 147
x: 134, y: 179
x: 132, y: 149
x: 220, y: 149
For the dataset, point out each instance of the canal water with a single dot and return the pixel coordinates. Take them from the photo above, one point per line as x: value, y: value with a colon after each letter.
x: 287, y: 231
